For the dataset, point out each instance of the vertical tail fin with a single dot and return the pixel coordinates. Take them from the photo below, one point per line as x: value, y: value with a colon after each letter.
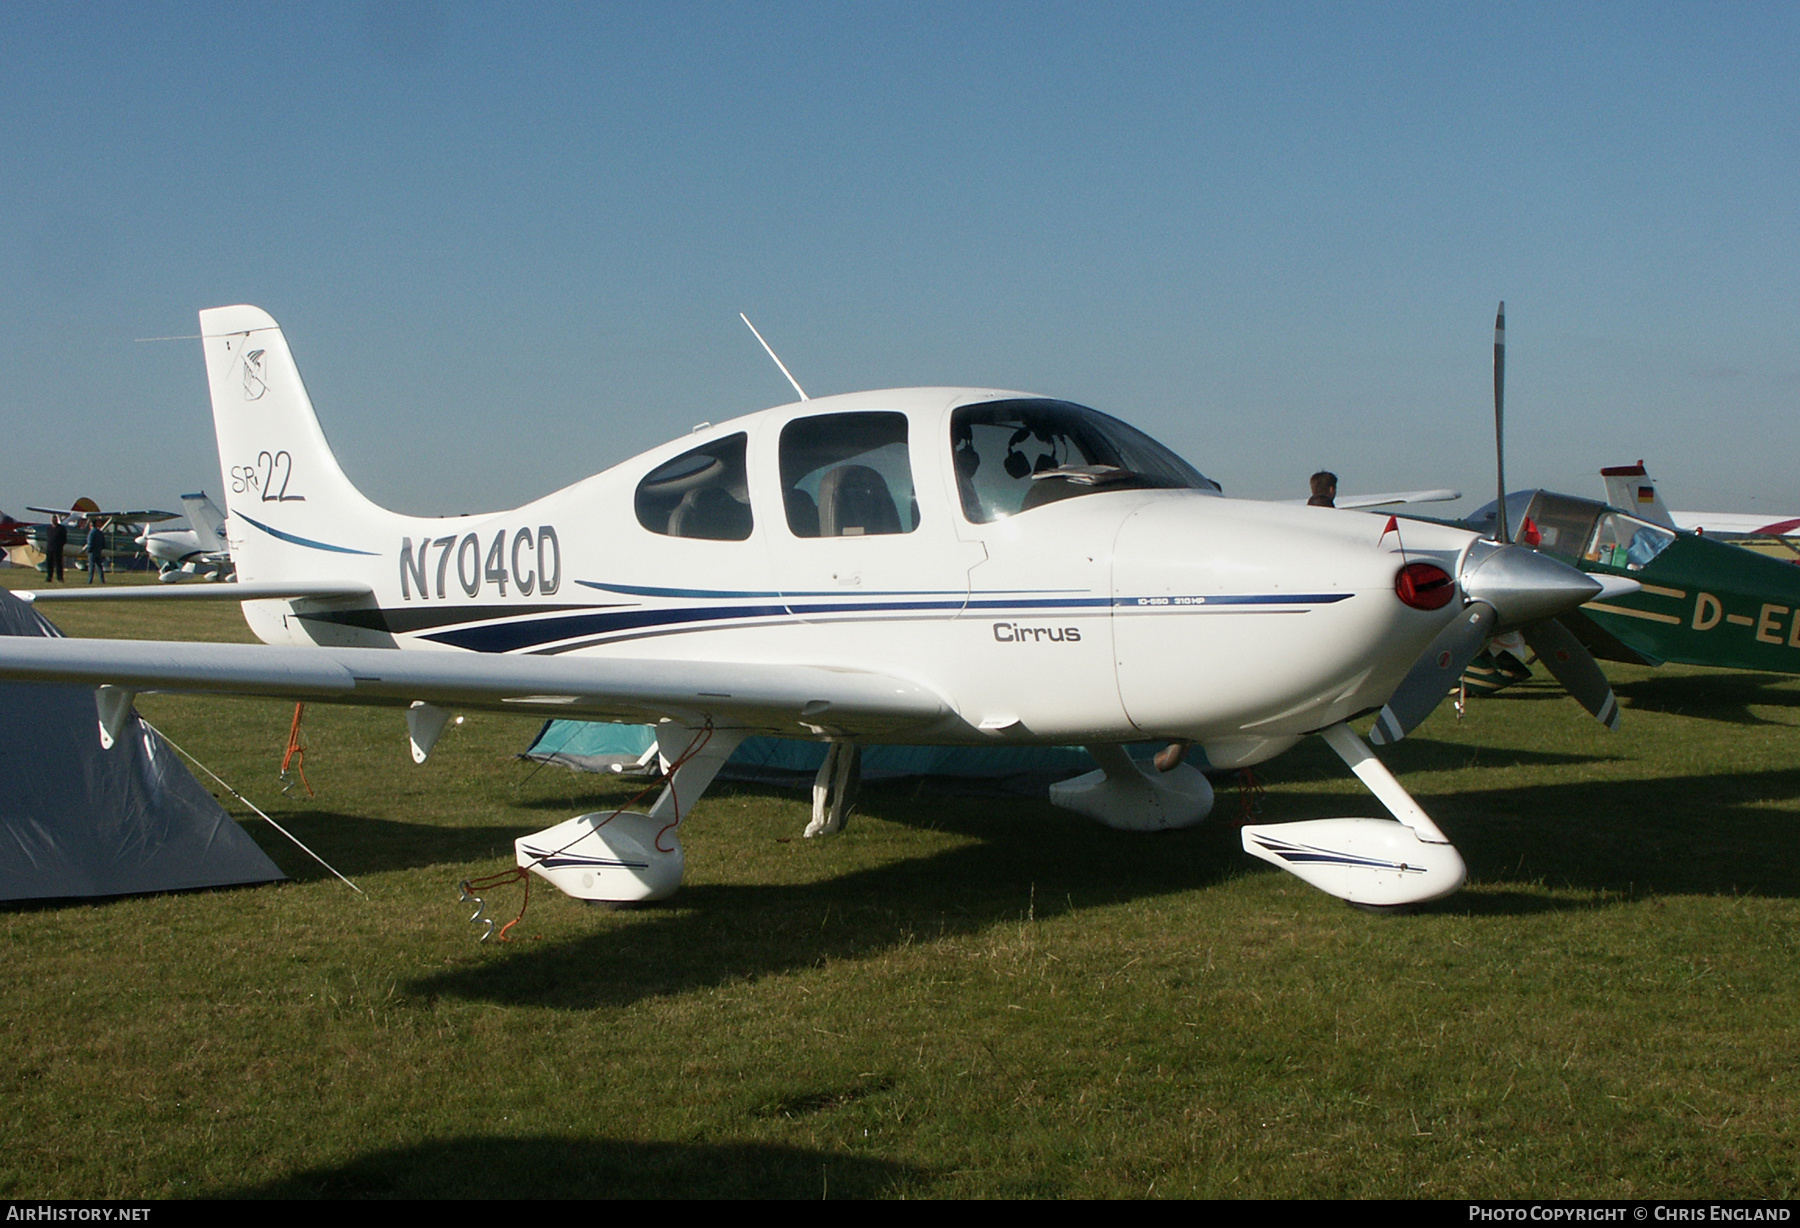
x: 208, y: 521
x: 294, y: 514
x: 1631, y: 489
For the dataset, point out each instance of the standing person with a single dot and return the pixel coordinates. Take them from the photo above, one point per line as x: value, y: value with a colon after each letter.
x: 55, y: 542
x: 96, y: 552
x: 1324, y: 489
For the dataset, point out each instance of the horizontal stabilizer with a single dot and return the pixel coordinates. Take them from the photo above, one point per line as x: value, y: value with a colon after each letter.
x: 258, y: 590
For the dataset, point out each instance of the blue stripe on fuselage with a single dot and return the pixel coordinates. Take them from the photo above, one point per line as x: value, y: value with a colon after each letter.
x: 519, y: 635
x: 304, y: 541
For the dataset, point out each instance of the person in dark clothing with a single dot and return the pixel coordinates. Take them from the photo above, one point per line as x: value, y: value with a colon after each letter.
x: 96, y: 552
x: 1324, y: 489
x: 55, y: 542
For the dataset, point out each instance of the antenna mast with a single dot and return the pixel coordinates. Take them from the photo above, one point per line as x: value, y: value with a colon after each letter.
x: 773, y: 355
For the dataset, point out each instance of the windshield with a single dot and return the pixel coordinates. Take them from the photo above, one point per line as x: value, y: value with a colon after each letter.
x: 1012, y: 456
x: 1579, y: 530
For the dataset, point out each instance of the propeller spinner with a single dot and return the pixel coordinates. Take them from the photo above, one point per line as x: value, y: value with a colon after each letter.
x: 1505, y: 587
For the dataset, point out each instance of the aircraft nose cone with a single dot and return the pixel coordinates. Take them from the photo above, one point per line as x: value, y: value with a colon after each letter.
x: 1522, y: 585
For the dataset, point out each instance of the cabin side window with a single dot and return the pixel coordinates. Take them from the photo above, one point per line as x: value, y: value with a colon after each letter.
x: 1626, y: 542
x: 703, y: 493
x: 848, y: 475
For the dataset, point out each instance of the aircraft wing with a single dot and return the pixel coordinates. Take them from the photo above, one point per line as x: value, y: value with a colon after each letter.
x: 795, y: 700
x: 144, y: 516
x: 1398, y: 496
x: 1353, y: 502
x: 1734, y: 526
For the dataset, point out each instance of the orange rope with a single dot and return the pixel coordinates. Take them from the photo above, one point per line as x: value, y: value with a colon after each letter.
x: 1250, y: 795
x: 296, y: 753
x: 667, y: 778
x: 520, y: 874
x: 517, y: 874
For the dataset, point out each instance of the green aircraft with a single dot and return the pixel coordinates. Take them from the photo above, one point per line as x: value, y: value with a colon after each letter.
x: 1665, y: 596
x: 1699, y: 601
x: 1702, y: 602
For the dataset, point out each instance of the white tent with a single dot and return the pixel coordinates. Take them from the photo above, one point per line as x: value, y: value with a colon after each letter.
x: 76, y: 820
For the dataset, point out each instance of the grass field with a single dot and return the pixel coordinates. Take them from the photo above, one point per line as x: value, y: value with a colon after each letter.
x: 959, y: 996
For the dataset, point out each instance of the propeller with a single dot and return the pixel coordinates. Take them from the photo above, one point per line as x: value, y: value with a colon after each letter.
x: 1500, y: 533
x: 1506, y: 587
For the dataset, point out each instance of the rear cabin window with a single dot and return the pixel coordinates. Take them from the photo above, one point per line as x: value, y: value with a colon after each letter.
x: 848, y: 475
x: 703, y: 493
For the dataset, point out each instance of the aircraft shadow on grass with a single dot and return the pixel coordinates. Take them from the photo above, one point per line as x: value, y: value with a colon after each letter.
x: 558, y: 1167
x: 1725, y: 833
x: 1725, y: 697
x: 1422, y: 754
x: 1698, y: 835
x: 357, y: 844
x: 1029, y: 861
x: 1704, y: 835
x: 1721, y: 695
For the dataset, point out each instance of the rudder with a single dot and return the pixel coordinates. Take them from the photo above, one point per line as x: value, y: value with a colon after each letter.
x: 1629, y: 488
x: 291, y: 506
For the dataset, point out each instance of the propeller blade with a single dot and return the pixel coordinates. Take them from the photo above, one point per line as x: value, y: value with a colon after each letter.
x: 1500, y: 527
x: 1433, y: 674
x: 1565, y: 656
x: 1528, y: 592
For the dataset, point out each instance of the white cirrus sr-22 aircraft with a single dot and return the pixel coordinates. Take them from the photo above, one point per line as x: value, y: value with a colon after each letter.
x: 922, y: 565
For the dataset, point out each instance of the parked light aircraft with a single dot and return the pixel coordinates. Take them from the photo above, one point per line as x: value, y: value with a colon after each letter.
x: 14, y: 532
x: 1699, y: 601
x: 86, y: 512
x: 199, y: 553
x: 1631, y: 487
x: 924, y: 565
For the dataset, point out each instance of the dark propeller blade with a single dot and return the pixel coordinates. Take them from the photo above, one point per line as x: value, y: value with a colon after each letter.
x: 1433, y: 674
x: 1574, y: 667
x: 1506, y: 587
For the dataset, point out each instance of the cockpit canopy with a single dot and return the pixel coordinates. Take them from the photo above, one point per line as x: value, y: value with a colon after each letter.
x: 1014, y: 455
x: 1580, y: 530
x: 848, y: 472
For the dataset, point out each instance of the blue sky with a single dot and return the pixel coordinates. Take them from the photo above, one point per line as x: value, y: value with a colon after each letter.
x: 508, y: 245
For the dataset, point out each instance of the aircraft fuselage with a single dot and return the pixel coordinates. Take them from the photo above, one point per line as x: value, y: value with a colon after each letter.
x: 1109, y: 612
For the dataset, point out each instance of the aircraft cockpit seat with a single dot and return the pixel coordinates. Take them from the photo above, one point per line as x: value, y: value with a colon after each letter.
x: 802, y: 512
x: 854, y: 501
x: 710, y: 512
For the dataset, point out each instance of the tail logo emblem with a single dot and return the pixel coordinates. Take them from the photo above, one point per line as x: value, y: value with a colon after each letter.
x: 254, y: 385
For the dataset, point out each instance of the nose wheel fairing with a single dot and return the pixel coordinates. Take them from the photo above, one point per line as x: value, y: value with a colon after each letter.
x: 1364, y: 861
x: 1381, y: 862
